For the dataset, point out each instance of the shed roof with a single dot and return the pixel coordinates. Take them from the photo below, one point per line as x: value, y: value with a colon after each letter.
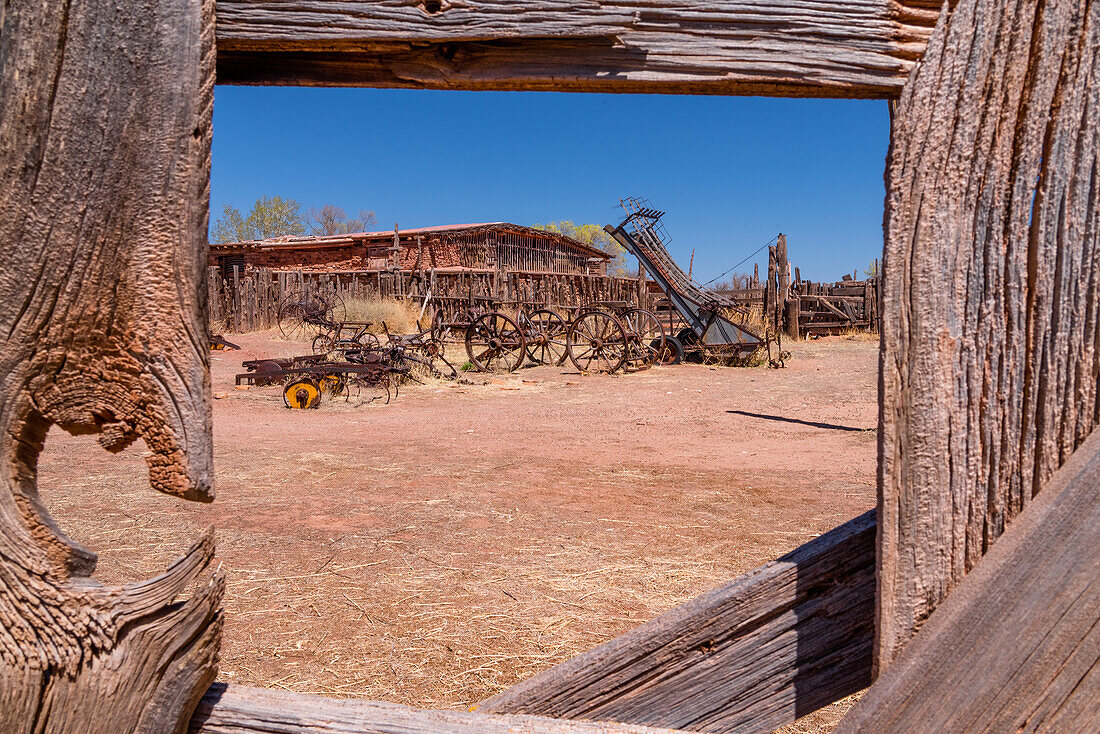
x: 382, y: 237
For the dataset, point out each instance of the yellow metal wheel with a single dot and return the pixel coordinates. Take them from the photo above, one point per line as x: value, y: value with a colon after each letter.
x: 302, y: 393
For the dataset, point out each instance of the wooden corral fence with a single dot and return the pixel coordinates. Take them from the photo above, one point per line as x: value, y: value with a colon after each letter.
x: 250, y: 301
x: 983, y: 607
x: 827, y: 308
x: 800, y: 307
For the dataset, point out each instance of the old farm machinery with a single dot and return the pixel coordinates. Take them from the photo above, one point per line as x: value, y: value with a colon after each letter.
x: 709, y: 333
x: 605, y: 336
x: 306, y: 379
x: 602, y: 337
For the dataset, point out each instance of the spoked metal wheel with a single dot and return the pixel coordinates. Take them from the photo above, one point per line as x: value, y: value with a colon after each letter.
x: 596, y: 342
x: 495, y: 343
x: 442, y: 329
x: 324, y: 343
x: 645, y: 338
x: 302, y: 316
x: 546, y: 340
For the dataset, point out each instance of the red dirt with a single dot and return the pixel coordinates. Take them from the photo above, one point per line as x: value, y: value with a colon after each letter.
x: 437, y: 550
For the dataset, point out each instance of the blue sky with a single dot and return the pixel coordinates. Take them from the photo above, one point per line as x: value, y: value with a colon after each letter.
x: 731, y: 172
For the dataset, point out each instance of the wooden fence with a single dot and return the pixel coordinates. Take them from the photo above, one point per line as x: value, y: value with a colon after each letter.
x: 250, y: 301
x: 801, y: 307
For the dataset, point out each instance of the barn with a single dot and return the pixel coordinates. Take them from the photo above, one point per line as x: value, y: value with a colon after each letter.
x: 453, y: 246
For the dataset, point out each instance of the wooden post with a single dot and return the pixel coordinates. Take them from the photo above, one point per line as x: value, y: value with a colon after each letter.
x: 990, y: 371
x: 104, y: 172
x: 784, y: 302
x: 396, y: 250
x: 770, y: 294
x: 237, y: 299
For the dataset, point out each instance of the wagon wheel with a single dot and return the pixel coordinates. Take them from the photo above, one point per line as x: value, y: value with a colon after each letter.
x: 596, y: 342
x: 495, y: 343
x: 645, y: 338
x: 435, y: 352
x: 546, y: 337
x: 303, y: 316
x: 441, y: 329
x: 323, y: 343
x: 301, y: 393
x: 368, y: 341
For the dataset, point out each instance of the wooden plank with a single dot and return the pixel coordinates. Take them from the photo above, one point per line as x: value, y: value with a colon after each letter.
x: 232, y: 709
x: 828, y: 48
x: 991, y: 292
x: 103, y: 209
x: 1016, y: 646
x: 749, y: 656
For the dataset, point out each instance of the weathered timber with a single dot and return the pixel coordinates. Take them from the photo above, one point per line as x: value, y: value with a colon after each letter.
x: 749, y: 656
x: 231, y: 709
x: 828, y: 48
x: 104, y: 159
x: 1016, y: 646
x: 991, y: 315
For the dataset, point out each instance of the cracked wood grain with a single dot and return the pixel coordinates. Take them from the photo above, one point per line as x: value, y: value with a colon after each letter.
x: 829, y: 48
x: 1016, y: 647
x: 750, y: 656
x: 104, y: 155
x: 232, y: 709
x: 991, y: 316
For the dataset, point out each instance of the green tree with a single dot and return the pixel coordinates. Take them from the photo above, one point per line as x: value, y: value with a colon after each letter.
x: 274, y: 216
x: 872, y: 270
x: 594, y: 235
x: 271, y: 216
x: 231, y: 226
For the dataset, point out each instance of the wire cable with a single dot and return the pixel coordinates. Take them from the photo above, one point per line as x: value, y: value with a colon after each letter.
x: 766, y: 244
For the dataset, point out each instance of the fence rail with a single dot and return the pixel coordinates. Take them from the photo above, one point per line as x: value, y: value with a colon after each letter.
x: 249, y: 301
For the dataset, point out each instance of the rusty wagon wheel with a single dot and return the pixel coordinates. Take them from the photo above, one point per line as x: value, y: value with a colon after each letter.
x: 546, y: 336
x: 596, y: 342
x: 495, y: 343
x: 302, y: 316
x: 645, y: 338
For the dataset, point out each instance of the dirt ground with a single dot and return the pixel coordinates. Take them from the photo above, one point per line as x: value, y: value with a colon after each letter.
x: 439, y: 549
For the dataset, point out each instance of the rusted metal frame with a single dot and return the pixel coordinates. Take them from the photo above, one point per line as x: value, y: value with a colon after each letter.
x: 712, y: 331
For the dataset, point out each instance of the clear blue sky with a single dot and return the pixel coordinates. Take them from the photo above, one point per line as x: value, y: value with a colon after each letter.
x: 731, y: 172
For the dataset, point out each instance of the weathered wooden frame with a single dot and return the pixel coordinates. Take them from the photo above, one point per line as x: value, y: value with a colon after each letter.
x: 989, y: 361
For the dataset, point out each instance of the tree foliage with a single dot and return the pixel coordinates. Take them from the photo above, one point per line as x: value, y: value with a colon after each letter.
x: 271, y: 216
x: 274, y: 216
x: 330, y: 220
x: 594, y: 235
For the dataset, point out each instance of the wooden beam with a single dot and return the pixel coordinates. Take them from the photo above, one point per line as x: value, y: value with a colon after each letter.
x: 1016, y: 647
x: 231, y: 709
x: 991, y: 291
x: 827, y: 48
x: 750, y: 656
x: 104, y: 164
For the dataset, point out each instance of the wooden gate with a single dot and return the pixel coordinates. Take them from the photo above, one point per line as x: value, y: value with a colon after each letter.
x: 989, y: 366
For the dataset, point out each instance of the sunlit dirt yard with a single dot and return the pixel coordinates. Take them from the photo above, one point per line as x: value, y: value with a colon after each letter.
x: 439, y: 549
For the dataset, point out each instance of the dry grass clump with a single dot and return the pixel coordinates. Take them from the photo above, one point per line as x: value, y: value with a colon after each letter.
x: 859, y: 334
x: 399, y: 315
x: 751, y: 320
